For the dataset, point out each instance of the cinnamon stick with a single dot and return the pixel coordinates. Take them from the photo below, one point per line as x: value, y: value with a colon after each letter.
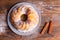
x: 50, y: 27
x: 45, y: 28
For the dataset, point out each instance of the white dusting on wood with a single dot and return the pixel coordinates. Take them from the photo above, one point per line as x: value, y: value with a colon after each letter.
x: 2, y: 30
x: 2, y: 27
x: 3, y: 23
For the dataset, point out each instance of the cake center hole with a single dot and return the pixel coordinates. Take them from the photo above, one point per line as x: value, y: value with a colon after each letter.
x: 24, y: 17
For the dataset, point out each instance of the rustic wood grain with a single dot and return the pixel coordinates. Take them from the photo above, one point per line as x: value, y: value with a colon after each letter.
x: 46, y: 15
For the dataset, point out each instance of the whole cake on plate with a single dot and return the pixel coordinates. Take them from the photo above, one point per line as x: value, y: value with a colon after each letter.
x: 24, y: 18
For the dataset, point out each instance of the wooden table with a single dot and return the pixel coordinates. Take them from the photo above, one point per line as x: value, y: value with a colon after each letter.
x: 46, y: 15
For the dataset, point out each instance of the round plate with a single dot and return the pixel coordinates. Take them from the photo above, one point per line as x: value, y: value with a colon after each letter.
x: 15, y: 30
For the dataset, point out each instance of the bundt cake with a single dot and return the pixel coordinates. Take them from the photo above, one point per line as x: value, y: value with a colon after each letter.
x: 24, y: 18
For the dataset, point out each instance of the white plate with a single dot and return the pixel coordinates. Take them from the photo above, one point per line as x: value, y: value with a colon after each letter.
x: 19, y: 32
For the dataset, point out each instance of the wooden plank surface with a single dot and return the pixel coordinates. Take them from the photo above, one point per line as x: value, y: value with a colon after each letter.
x: 46, y: 15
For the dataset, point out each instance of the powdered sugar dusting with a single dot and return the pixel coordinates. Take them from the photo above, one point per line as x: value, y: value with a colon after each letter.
x: 3, y: 23
x: 2, y: 30
x: 2, y: 27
